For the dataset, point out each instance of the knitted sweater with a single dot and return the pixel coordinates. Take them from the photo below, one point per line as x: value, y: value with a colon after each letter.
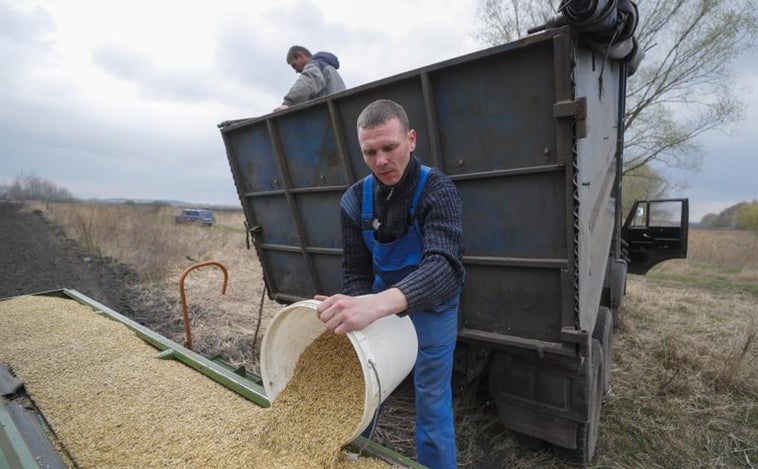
x: 441, y: 270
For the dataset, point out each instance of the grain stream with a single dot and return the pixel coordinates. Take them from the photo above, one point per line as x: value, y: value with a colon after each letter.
x: 318, y: 410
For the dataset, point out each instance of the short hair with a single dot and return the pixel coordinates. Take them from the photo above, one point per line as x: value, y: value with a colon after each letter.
x: 295, y: 50
x: 379, y: 112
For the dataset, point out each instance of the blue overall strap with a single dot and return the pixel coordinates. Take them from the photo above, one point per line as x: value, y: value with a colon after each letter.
x: 419, y: 187
x: 367, y: 206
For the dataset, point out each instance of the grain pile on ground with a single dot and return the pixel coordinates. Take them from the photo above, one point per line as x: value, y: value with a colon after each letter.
x: 112, y: 403
x: 327, y: 377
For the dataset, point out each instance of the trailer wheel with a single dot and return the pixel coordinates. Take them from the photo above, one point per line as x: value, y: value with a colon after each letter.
x: 604, y: 333
x: 587, y: 432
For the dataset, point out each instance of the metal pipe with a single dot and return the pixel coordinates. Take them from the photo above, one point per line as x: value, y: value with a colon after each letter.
x: 187, y: 330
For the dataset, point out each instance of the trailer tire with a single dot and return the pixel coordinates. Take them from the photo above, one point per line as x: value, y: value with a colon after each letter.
x: 604, y: 333
x: 588, y: 432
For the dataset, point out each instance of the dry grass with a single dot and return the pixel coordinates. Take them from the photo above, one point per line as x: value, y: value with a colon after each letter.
x: 684, y: 394
x: 685, y: 375
x: 144, y: 236
x: 149, y: 241
x: 684, y: 379
x: 734, y: 248
x: 725, y: 260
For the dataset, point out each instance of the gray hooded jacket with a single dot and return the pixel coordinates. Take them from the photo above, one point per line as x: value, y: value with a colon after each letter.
x: 318, y: 78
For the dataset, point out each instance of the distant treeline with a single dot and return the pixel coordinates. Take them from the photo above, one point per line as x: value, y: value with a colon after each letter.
x: 31, y: 187
x: 741, y: 216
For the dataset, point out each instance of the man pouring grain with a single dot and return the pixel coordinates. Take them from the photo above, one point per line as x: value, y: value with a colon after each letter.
x: 402, y: 241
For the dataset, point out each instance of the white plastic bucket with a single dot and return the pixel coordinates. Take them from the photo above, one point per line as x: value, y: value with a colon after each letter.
x: 386, y: 349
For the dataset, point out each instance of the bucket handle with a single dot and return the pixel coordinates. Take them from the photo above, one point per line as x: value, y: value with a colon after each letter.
x: 376, y: 412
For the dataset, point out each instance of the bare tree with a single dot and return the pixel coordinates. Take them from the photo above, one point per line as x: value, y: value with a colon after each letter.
x: 31, y: 187
x: 507, y: 20
x: 683, y: 88
x: 642, y: 183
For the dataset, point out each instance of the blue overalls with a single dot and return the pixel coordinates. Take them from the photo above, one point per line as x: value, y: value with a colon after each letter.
x: 436, y: 328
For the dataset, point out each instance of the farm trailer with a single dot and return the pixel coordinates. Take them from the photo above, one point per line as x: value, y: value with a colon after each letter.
x: 531, y: 134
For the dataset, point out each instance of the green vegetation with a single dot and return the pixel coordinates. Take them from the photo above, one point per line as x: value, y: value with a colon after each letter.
x: 642, y: 183
x: 709, y: 277
x: 741, y: 216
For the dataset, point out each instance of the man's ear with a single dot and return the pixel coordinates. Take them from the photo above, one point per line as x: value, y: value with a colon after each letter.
x: 412, y: 139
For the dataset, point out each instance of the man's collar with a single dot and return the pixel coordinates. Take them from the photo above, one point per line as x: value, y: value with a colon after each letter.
x: 406, y: 181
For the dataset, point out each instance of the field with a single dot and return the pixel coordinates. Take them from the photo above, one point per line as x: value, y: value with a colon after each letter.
x: 684, y: 387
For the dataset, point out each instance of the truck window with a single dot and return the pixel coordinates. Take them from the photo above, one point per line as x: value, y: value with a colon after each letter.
x: 639, y: 217
x: 665, y: 213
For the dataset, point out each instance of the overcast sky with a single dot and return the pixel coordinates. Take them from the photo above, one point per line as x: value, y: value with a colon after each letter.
x: 121, y: 99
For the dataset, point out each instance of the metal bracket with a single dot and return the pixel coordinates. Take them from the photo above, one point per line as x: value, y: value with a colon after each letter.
x: 250, y: 232
x: 576, y: 109
x: 576, y: 336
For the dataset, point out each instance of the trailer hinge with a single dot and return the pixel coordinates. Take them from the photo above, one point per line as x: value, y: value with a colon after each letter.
x: 576, y: 336
x: 576, y: 109
x: 250, y: 232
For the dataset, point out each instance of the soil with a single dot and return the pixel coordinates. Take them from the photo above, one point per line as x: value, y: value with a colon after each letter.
x: 37, y: 257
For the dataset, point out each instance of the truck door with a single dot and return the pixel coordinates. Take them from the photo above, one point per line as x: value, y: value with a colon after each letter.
x: 655, y: 230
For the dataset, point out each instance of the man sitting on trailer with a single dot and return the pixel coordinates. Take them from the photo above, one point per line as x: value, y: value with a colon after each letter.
x: 402, y: 239
x: 318, y: 76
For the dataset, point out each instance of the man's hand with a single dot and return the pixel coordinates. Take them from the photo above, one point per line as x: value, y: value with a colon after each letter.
x: 281, y: 108
x: 342, y: 313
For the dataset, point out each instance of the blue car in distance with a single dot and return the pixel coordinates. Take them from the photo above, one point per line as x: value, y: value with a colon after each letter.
x: 197, y: 216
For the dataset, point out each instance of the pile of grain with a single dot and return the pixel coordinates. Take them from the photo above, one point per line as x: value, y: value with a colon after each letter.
x: 112, y: 403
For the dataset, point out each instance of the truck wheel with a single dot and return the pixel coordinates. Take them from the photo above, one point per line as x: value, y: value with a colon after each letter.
x: 604, y: 333
x: 587, y: 433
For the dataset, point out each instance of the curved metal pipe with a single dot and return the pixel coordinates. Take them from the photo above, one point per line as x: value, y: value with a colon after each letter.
x: 187, y: 331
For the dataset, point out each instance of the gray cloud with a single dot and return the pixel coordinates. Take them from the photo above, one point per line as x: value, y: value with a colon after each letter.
x: 179, y: 85
x: 23, y: 42
x: 245, y: 57
x: 106, y: 156
x: 51, y: 127
x: 256, y: 56
x: 122, y: 62
x: 21, y: 27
